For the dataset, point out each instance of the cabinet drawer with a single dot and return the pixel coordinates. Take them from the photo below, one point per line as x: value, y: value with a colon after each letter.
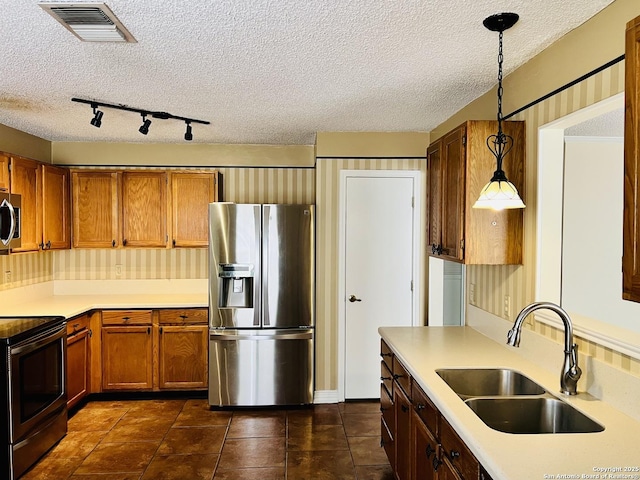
x: 386, y: 377
x: 403, y: 378
x: 425, y: 409
x: 180, y: 316
x: 457, y: 452
x: 77, y: 324
x: 386, y: 407
x: 386, y: 354
x: 388, y: 443
x: 126, y: 317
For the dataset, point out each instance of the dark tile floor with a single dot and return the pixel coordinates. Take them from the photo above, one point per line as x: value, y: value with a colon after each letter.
x: 184, y: 440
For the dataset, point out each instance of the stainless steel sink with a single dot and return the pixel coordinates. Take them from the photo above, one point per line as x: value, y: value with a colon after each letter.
x: 532, y: 415
x: 488, y: 382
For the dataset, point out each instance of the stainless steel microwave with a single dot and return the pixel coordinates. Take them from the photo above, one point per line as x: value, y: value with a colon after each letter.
x: 9, y: 222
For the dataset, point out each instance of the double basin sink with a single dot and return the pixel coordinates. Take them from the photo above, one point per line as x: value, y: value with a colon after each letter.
x: 510, y: 402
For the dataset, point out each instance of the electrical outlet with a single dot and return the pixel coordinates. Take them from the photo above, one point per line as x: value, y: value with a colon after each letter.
x: 472, y: 293
x: 118, y: 271
x: 507, y: 306
x: 7, y: 276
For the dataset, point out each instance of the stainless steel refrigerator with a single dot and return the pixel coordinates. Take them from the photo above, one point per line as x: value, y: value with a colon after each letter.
x: 261, y: 304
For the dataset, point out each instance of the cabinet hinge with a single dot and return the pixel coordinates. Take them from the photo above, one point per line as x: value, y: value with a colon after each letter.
x: 413, y: 202
x: 464, y: 140
x: 412, y: 285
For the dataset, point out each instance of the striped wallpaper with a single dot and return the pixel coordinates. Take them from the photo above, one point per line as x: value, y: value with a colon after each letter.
x: 492, y: 283
x: 327, y: 223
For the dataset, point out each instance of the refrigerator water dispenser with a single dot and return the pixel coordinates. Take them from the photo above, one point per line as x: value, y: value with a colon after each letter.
x: 236, y: 285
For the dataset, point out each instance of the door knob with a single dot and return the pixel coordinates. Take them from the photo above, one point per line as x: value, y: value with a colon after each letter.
x: 353, y: 298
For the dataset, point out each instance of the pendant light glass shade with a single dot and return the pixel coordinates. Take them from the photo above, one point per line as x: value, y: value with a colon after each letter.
x: 499, y: 195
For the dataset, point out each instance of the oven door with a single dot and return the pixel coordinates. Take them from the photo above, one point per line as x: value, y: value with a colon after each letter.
x: 37, y: 383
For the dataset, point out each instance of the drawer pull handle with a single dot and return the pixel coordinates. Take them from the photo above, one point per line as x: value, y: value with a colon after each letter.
x: 148, y: 330
x: 386, y: 355
x: 429, y: 450
x: 421, y: 406
x: 126, y: 319
x: 76, y: 325
x: 454, y: 454
x: 184, y: 317
x: 385, y: 378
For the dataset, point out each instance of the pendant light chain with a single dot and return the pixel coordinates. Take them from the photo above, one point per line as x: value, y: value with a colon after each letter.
x: 500, y: 59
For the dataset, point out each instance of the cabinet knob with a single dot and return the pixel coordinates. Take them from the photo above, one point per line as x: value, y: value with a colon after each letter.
x: 404, y: 408
x: 436, y: 463
x: 41, y: 245
x: 113, y: 243
x: 454, y: 454
x: 124, y: 242
x: 421, y: 406
x: 429, y: 450
x: 174, y: 242
x: 49, y: 245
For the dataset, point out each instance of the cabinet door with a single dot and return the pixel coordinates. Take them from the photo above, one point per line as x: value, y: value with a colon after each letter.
x: 425, y: 450
x: 4, y: 172
x: 183, y: 358
x: 77, y: 367
x: 631, y: 216
x: 447, y: 472
x: 434, y: 196
x: 453, y: 189
x: 95, y: 209
x: 25, y: 180
x: 144, y: 209
x: 402, y: 434
x: 191, y: 194
x: 127, y: 358
x: 56, y: 224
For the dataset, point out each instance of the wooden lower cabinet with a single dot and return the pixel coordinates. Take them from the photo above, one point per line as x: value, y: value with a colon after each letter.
x: 419, y: 442
x: 183, y: 356
x: 127, y: 358
x: 155, y: 349
x: 78, y: 357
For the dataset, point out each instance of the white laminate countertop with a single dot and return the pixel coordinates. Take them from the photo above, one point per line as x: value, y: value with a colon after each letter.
x: 71, y: 305
x: 611, y: 454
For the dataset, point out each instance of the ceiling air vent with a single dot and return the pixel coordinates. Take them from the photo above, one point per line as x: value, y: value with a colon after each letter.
x: 90, y: 22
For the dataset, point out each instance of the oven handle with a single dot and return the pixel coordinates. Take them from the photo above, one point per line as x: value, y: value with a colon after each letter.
x: 39, y: 340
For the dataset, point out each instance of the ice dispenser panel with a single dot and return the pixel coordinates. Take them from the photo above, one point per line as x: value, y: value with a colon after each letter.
x: 236, y: 285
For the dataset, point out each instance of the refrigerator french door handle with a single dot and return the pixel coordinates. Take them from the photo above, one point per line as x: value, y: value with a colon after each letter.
x: 274, y: 336
x: 265, y: 265
x: 257, y: 279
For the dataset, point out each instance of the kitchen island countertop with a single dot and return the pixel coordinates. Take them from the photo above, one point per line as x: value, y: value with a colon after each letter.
x: 610, y: 454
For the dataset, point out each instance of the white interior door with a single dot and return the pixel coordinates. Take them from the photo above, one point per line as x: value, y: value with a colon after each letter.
x: 379, y: 272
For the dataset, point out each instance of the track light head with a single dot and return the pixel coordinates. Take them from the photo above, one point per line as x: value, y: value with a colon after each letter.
x: 188, y: 136
x: 144, y: 129
x: 96, y: 121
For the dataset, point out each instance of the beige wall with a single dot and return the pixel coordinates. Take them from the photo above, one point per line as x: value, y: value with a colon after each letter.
x: 371, y: 144
x: 20, y: 143
x: 176, y: 155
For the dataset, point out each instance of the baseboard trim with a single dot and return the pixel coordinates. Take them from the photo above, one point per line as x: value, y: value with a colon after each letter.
x: 325, y: 396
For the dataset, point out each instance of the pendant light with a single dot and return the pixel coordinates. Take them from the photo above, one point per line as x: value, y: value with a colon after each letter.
x: 499, y: 193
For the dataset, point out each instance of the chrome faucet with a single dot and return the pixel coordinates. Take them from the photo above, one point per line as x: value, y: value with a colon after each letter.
x: 570, y: 370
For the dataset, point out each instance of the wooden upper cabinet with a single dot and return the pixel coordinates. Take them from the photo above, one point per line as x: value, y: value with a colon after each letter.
x: 56, y: 215
x: 453, y: 186
x: 95, y: 209
x: 144, y: 209
x: 4, y: 172
x: 631, y: 213
x: 191, y: 194
x: 434, y: 195
x: 462, y: 165
x: 25, y: 181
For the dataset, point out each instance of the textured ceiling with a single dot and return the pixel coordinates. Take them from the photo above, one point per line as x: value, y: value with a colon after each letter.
x: 265, y: 71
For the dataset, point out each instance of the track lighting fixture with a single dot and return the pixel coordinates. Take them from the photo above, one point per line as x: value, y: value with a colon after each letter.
x: 96, y: 121
x: 144, y: 129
